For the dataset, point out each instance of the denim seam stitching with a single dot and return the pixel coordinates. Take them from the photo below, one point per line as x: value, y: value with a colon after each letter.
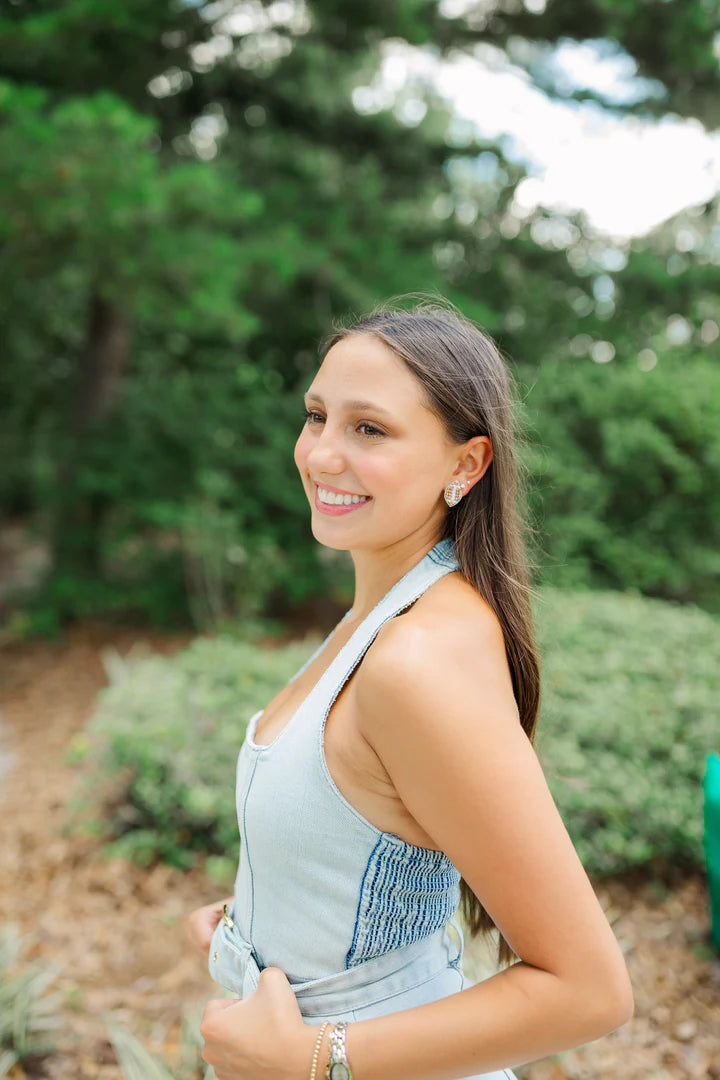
x: 443, y: 553
x: 351, y: 951
x: 247, y: 849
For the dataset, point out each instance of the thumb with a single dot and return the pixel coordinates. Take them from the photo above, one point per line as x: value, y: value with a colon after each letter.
x: 273, y: 976
x: 275, y: 982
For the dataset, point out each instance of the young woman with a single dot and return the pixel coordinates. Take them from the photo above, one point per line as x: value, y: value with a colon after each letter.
x: 374, y: 797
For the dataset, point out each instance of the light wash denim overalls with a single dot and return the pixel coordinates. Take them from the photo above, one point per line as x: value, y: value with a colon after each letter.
x: 356, y: 918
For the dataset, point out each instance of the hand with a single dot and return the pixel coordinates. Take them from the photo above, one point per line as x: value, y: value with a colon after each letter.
x: 261, y: 1037
x: 202, y: 922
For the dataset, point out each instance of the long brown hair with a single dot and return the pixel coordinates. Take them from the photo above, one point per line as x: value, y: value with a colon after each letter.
x: 471, y: 390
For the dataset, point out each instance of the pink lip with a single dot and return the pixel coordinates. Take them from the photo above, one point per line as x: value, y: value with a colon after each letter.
x: 335, y: 511
x: 337, y: 491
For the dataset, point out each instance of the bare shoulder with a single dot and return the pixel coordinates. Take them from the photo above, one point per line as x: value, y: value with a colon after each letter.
x: 449, y: 639
x: 435, y: 699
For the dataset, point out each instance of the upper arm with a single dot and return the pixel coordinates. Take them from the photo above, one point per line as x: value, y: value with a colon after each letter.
x: 439, y: 711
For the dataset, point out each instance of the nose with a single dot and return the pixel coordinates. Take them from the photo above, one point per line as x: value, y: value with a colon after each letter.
x: 325, y: 456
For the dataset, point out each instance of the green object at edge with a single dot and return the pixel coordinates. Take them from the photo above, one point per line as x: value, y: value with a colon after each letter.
x: 711, y: 840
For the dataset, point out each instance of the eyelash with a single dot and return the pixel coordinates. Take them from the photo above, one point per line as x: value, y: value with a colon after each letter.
x: 308, y: 413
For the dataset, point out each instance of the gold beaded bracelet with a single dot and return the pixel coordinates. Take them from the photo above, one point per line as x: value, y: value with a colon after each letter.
x: 318, y: 1044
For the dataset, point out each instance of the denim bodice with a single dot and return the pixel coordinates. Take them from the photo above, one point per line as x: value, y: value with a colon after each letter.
x: 319, y: 889
x: 357, y: 918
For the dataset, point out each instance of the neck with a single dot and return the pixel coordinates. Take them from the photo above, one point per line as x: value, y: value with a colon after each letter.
x: 377, y: 570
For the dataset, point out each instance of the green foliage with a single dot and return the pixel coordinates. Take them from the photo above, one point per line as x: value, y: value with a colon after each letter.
x: 626, y: 468
x: 185, y: 206
x: 28, y: 1015
x: 670, y: 44
x: 87, y: 183
x: 173, y: 729
x: 629, y: 712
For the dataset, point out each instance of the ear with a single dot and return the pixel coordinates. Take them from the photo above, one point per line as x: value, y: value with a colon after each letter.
x: 475, y: 461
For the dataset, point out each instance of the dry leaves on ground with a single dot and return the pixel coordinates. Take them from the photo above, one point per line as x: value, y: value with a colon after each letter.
x: 118, y: 929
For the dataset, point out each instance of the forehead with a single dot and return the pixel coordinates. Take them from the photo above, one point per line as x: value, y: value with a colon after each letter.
x: 363, y: 365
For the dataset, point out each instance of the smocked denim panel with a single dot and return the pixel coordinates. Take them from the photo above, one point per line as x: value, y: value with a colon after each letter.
x: 406, y: 894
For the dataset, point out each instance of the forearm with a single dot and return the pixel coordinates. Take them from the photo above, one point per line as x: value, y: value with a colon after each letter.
x: 521, y: 1014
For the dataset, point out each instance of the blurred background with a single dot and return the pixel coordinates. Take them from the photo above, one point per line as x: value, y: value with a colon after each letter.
x: 190, y: 194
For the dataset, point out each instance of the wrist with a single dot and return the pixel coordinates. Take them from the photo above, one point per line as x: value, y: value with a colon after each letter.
x: 338, y: 1067
x: 307, y: 1048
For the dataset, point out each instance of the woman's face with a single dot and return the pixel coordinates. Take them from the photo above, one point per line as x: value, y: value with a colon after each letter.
x: 369, y: 433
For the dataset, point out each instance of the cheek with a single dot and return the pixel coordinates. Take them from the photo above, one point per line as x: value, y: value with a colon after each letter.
x: 380, y: 473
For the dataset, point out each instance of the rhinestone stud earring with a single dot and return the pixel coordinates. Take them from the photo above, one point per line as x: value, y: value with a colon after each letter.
x: 454, y: 492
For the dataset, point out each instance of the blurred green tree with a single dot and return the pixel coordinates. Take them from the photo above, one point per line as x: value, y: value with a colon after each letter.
x: 191, y: 192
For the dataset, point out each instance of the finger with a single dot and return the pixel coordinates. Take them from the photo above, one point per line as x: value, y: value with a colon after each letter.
x: 275, y: 983
x: 211, y: 1021
x: 216, y: 1005
x: 272, y: 973
x: 276, y: 978
x: 193, y: 933
x: 197, y: 940
x: 207, y: 1056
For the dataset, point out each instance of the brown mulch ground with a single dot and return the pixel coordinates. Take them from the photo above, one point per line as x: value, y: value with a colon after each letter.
x: 118, y: 929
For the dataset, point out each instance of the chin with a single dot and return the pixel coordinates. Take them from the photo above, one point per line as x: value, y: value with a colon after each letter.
x: 328, y: 542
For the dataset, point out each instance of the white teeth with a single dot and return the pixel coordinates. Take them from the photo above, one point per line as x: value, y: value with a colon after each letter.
x: 334, y: 499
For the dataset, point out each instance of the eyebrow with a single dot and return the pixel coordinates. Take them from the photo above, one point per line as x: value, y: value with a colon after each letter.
x: 361, y: 406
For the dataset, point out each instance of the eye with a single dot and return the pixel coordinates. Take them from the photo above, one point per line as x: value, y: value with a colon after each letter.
x: 371, y: 432
x: 376, y: 432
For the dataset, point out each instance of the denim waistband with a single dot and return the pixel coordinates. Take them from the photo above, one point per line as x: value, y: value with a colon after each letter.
x: 233, y: 964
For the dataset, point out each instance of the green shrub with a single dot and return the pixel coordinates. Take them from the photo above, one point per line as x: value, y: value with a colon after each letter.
x: 631, y: 692
x: 626, y: 475
x: 174, y: 727
x: 28, y: 1016
x: 629, y: 711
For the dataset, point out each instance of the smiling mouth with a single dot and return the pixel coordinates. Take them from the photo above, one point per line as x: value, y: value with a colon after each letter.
x: 333, y: 498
